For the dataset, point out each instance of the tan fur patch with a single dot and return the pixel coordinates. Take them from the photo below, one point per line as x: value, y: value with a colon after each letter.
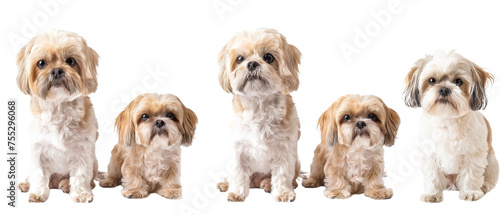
x: 489, y: 139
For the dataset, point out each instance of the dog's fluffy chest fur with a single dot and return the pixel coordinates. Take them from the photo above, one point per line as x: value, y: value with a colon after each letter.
x: 159, y: 158
x: 262, y: 126
x: 360, y: 158
x: 62, y: 131
x: 261, y: 120
x: 455, y: 139
x: 64, y: 124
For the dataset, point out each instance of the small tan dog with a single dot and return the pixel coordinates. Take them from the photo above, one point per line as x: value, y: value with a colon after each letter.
x: 59, y: 70
x: 151, y: 130
x: 350, y: 158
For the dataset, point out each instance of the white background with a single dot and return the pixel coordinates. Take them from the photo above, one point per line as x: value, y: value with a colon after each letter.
x: 180, y: 40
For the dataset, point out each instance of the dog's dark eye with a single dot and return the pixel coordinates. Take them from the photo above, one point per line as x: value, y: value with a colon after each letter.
x: 269, y: 58
x: 41, y: 64
x: 432, y: 81
x: 372, y: 117
x: 346, y: 118
x: 144, y: 117
x: 240, y: 59
x: 171, y: 116
x: 458, y: 82
x: 71, y: 62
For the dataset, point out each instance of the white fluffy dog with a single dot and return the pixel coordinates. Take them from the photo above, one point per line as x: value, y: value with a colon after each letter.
x: 260, y: 69
x: 58, y: 70
x: 451, y: 89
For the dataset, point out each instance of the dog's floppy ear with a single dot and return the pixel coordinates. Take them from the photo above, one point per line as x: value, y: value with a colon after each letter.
x: 224, y: 67
x: 23, y: 76
x: 328, y: 125
x: 411, y: 93
x: 89, y: 68
x: 289, y: 66
x: 478, y: 100
x: 125, y: 124
x: 391, y: 126
x: 188, y: 126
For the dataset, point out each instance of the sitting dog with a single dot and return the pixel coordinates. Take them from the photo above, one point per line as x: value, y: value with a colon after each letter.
x: 350, y: 158
x: 151, y: 130
x: 59, y: 70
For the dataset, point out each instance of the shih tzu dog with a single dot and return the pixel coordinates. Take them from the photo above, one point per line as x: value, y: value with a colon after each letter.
x: 260, y: 69
x: 151, y: 130
x: 58, y: 70
x: 350, y: 158
x: 457, y: 151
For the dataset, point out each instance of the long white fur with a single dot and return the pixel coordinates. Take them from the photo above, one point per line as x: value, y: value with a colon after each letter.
x: 454, y: 142
x: 62, y: 145
x: 264, y: 145
x: 454, y: 146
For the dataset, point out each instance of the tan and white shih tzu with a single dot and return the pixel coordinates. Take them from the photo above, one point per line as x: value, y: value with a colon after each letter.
x: 456, y: 138
x: 260, y: 69
x: 58, y: 70
x: 350, y: 158
x: 151, y: 130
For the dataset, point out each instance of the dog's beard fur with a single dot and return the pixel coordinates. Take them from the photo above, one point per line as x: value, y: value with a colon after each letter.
x: 360, y: 133
x: 259, y: 82
x: 445, y: 101
x: 148, y: 132
x: 48, y: 87
x: 349, y: 133
x: 255, y: 81
x: 454, y: 105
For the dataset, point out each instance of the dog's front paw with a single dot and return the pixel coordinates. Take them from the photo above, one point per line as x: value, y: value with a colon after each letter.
x: 311, y: 183
x: 171, y: 192
x: 486, y: 187
x: 108, y: 183
x: 135, y: 193
x: 382, y: 193
x: 471, y: 196
x: 232, y: 197
x: 64, y: 185
x: 266, y: 185
x: 337, y: 194
x: 24, y: 187
x: 284, y: 196
x: 83, y: 197
x: 223, y: 186
x: 432, y: 198
x: 37, y: 198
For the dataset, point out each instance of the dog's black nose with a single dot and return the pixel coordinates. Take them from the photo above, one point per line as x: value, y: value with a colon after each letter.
x: 57, y: 73
x: 159, y: 123
x: 252, y: 65
x: 360, y: 124
x: 444, y: 91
